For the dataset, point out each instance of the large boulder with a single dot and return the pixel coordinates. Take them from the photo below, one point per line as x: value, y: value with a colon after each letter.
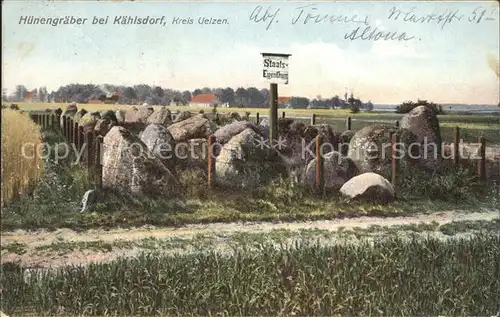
x: 337, y: 168
x: 133, y: 121
x: 192, y: 128
x: 102, y: 126
x: 79, y: 114
x: 181, y: 116
x: 143, y: 113
x: 368, y: 186
x: 298, y: 143
x: 110, y: 116
x: 161, y: 116
x: 225, y: 133
x: 160, y: 142
x: 424, y: 124
x: 371, y: 149
x: 128, y: 166
x: 89, y: 120
x: 120, y: 116
x: 345, y: 139
x: 242, y: 163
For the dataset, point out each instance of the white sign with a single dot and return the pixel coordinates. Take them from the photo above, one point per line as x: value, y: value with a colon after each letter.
x: 275, y: 68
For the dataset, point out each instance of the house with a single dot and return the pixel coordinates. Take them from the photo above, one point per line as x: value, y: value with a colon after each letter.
x: 206, y: 100
x: 284, y: 102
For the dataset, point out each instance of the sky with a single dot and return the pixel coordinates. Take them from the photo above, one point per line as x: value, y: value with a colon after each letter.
x: 442, y: 62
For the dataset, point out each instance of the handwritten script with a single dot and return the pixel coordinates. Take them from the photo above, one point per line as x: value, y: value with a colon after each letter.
x: 363, y: 29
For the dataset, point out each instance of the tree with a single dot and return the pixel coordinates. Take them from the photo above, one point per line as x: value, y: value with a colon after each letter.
x: 299, y: 102
x: 354, y: 103
x: 197, y: 92
x: 408, y: 106
x: 20, y: 92
x: 225, y: 95
x: 241, y: 97
x: 255, y: 98
x: 186, y: 96
x: 368, y: 106
x: 43, y: 94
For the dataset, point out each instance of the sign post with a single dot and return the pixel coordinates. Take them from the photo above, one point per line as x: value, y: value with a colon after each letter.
x: 275, y: 71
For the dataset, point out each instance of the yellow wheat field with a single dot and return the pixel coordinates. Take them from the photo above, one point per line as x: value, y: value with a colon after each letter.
x: 19, y: 169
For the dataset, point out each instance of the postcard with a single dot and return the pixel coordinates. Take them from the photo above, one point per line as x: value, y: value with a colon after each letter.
x: 250, y: 158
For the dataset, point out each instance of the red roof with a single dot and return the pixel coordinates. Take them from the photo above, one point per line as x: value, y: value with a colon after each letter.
x: 284, y: 99
x: 204, y: 98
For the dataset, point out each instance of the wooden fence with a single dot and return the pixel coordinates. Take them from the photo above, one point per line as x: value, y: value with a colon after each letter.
x: 91, y: 143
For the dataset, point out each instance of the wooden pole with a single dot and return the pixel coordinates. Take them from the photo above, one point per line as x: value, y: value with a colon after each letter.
x: 397, y: 124
x: 81, y: 138
x: 456, y: 146
x: 211, y: 161
x: 89, y: 143
x: 98, y: 161
x: 283, y: 115
x: 65, y: 122
x: 313, y: 119
x: 348, y: 123
x: 76, y: 130
x: 482, y: 162
x: 320, y: 180
x: 257, y: 118
x: 69, y: 127
x: 394, y: 166
x: 273, y: 113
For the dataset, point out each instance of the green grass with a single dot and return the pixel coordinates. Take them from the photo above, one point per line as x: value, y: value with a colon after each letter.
x: 54, y: 202
x: 211, y: 240
x: 388, y: 277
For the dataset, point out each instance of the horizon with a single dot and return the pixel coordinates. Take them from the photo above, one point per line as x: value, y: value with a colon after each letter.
x: 449, y: 63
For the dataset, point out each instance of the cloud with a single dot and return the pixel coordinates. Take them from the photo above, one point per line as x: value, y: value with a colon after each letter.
x: 395, y: 49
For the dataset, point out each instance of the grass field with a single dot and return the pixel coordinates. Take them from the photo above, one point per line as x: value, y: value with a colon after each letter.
x: 386, y: 277
x: 19, y: 171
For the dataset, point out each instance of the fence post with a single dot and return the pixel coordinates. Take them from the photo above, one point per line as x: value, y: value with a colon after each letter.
x: 98, y: 161
x: 89, y: 151
x: 257, y: 116
x: 68, y: 128
x: 75, y: 134
x: 64, y: 122
x: 81, y: 138
x: 482, y: 162
x: 283, y: 115
x: 456, y: 146
x: 348, y: 123
x: 320, y: 179
x: 211, y: 161
x: 397, y: 124
x: 313, y: 119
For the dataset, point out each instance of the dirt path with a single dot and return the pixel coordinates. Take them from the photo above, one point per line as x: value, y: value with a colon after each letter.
x: 35, y: 240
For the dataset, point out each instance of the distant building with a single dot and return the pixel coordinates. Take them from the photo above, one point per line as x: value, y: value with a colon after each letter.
x: 206, y: 100
x: 284, y: 102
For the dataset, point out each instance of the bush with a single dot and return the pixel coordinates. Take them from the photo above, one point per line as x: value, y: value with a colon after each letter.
x: 449, y: 184
x: 408, y: 106
x: 13, y: 106
x: 354, y: 108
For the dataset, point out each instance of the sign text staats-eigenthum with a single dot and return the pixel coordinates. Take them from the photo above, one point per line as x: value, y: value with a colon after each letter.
x: 275, y: 68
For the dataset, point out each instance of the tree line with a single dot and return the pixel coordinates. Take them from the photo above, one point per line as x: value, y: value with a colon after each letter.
x: 155, y: 95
